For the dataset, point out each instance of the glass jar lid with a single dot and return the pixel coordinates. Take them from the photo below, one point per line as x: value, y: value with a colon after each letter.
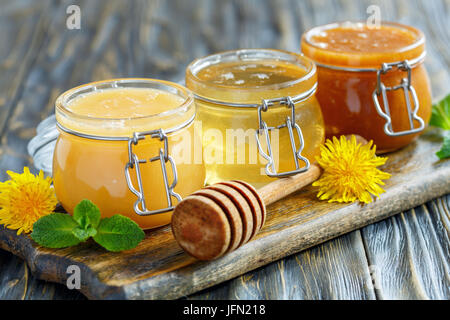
x: 355, y: 44
x: 247, y: 76
x: 175, y: 114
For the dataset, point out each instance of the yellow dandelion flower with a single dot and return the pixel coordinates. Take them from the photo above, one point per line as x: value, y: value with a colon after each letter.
x: 24, y: 199
x: 350, y: 171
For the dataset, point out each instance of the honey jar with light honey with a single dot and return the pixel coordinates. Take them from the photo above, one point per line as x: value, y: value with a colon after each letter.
x: 127, y: 145
x: 258, y: 113
x: 371, y: 81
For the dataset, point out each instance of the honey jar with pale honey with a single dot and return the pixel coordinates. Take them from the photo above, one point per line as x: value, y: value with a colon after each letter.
x: 258, y: 114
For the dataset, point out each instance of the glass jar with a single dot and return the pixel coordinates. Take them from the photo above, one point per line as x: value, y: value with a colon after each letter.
x: 127, y: 145
x: 247, y: 98
x: 372, y: 81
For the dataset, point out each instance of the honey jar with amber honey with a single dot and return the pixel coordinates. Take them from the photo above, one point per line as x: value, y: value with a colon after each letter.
x: 371, y: 81
x: 258, y: 114
x: 121, y: 145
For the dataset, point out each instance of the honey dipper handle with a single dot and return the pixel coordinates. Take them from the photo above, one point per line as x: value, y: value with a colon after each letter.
x: 280, y: 188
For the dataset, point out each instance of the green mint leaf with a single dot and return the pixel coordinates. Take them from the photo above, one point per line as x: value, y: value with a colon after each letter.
x: 55, y: 231
x: 118, y: 233
x: 440, y: 114
x: 84, y: 234
x: 87, y: 214
x: 445, y: 150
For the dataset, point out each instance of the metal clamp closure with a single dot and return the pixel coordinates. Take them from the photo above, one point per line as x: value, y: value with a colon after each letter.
x: 405, y: 84
x: 134, y: 162
x: 290, y: 124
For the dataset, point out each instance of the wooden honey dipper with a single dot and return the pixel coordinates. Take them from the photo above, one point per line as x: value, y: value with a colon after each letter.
x: 222, y: 217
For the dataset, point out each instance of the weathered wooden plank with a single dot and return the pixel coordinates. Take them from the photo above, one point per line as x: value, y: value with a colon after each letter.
x: 438, y: 25
x: 439, y: 210
x: 409, y: 253
x: 412, y: 12
x: 336, y: 269
x: 17, y: 283
x: 23, y: 28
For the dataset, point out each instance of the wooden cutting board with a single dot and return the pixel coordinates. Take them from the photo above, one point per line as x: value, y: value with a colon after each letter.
x: 159, y: 269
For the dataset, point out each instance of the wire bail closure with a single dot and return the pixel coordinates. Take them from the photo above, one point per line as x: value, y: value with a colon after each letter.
x: 407, y: 88
x: 140, y: 206
x: 290, y: 124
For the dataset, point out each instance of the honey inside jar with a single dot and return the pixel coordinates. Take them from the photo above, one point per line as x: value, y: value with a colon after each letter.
x: 250, y: 74
x: 118, y: 103
x: 96, y: 122
x: 360, y: 38
x: 228, y: 87
x: 348, y: 57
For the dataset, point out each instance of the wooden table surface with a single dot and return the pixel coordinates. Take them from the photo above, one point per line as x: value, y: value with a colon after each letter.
x: 408, y: 255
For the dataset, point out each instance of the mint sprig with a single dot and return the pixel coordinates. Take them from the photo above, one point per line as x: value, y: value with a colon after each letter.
x: 445, y: 150
x: 87, y: 214
x: 59, y: 230
x: 117, y: 233
x: 55, y: 231
x: 440, y: 117
x: 440, y: 114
